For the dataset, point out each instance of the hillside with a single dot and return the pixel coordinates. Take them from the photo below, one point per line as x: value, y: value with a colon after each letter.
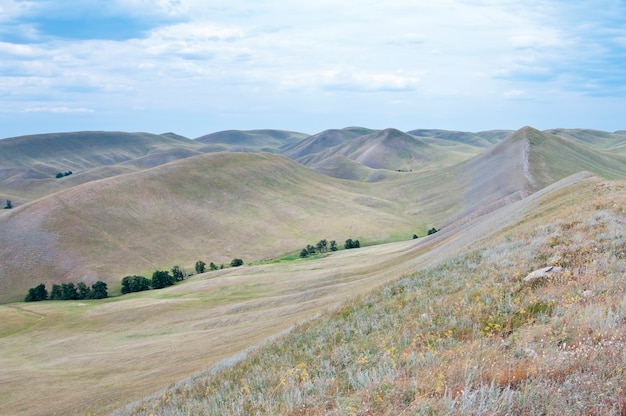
x: 272, y: 141
x: 214, y: 207
x: 463, y: 334
x: 324, y: 140
x: 521, y: 204
x: 29, y: 164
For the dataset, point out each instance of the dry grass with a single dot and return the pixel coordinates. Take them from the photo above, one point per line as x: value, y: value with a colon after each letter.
x: 464, y: 337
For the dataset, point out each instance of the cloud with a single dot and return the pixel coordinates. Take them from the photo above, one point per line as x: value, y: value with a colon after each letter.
x: 57, y: 110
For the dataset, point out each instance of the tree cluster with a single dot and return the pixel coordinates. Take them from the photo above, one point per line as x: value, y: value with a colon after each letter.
x: 432, y: 231
x: 322, y: 246
x: 68, y: 291
x: 160, y: 279
x: 63, y: 174
x: 350, y: 243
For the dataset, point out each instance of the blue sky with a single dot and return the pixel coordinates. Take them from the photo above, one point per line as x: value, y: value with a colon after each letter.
x: 199, y: 66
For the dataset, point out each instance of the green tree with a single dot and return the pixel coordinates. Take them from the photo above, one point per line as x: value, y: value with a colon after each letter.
x: 333, y: 245
x: 161, y: 279
x: 310, y: 249
x: 432, y: 231
x: 135, y: 284
x: 178, y: 273
x: 69, y: 291
x: 56, y: 293
x: 99, y: 290
x: 36, y: 293
x: 322, y: 246
x: 304, y: 253
x: 212, y: 266
x: 200, y: 265
x: 349, y: 243
x: 9, y: 204
x: 414, y: 236
x: 83, y: 290
x: 236, y: 263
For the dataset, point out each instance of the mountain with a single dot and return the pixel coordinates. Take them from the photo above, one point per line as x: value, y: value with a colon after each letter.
x: 481, y: 139
x: 271, y: 141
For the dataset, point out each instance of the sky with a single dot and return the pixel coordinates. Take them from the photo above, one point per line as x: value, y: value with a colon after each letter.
x: 195, y: 67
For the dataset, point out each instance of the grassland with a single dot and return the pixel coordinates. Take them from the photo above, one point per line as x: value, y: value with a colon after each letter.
x: 441, y: 324
x: 463, y: 336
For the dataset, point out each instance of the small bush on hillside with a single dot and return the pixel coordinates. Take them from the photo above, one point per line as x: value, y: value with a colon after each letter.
x: 236, y: 263
x: 9, y: 204
x: 432, y: 231
x: 61, y: 174
x: 212, y: 266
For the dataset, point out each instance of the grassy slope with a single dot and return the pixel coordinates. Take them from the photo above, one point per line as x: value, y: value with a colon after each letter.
x: 251, y: 140
x: 462, y: 336
x: 28, y: 164
x: 214, y: 207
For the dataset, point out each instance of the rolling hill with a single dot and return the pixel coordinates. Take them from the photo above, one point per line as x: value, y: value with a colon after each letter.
x: 271, y: 141
x: 172, y: 206
x: 28, y: 164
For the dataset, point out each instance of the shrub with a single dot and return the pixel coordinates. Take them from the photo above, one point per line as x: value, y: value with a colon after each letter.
x: 236, y: 263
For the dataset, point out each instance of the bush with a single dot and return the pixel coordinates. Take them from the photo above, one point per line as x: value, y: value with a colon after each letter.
x: 236, y: 263
x: 350, y: 243
x: 200, y: 266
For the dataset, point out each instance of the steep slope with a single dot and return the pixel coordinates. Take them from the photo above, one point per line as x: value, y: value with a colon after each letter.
x: 28, y: 164
x: 271, y: 141
x: 214, y: 207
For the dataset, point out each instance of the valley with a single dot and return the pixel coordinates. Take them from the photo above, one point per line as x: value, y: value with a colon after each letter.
x: 137, y: 202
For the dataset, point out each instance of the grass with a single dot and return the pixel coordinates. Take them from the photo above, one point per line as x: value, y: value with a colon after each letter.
x: 466, y: 336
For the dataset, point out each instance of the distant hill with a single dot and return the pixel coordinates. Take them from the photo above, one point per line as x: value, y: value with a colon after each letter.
x: 480, y: 139
x: 324, y: 140
x: 28, y: 164
x: 271, y: 141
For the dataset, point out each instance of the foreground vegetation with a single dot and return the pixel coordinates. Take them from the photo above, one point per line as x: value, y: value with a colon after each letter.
x: 468, y: 336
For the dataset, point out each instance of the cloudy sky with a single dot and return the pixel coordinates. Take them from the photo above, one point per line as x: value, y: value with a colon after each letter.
x: 199, y: 66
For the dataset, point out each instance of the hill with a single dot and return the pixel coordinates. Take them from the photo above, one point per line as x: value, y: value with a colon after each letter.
x: 214, y: 207
x: 323, y: 141
x: 271, y: 141
x: 29, y: 164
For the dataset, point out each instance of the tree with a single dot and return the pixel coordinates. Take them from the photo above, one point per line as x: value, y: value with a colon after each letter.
x: 83, y: 290
x: 135, y: 284
x: 99, y: 290
x: 69, y: 291
x: 212, y: 266
x: 59, y: 175
x: 352, y: 243
x: 432, y: 231
x: 333, y: 245
x: 56, y: 293
x: 36, y: 293
x: 310, y: 249
x: 236, y: 263
x: 9, y: 204
x: 200, y: 265
x: 322, y: 246
x: 414, y: 236
x: 178, y: 274
x: 304, y: 253
x: 161, y: 279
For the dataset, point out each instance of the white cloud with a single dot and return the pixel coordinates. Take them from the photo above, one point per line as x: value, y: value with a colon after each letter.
x: 57, y: 110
